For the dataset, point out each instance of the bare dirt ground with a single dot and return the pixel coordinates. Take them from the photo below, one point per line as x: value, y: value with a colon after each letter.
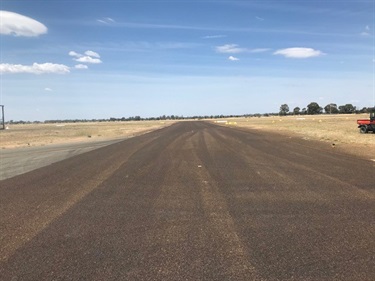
x: 44, y: 134
x: 338, y: 131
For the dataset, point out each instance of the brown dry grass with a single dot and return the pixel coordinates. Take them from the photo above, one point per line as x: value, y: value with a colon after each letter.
x: 44, y: 134
x: 338, y: 130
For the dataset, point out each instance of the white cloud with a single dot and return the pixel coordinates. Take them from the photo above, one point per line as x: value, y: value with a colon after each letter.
x: 299, y: 53
x: 92, y: 54
x: 106, y: 20
x: 259, y: 18
x: 233, y: 58
x: 81, y: 66
x: 74, y: 54
x: 48, y: 89
x: 36, y: 68
x: 19, y: 25
x: 230, y: 49
x: 235, y: 49
x: 88, y: 57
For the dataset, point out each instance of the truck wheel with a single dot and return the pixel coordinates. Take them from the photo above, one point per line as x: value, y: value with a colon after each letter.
x: 363, y: 130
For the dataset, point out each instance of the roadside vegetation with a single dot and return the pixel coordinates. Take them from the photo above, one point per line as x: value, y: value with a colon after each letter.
x: 312, y: 108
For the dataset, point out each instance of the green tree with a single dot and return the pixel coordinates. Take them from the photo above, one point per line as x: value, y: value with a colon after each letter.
x: 296, y: 111
x: 284, y: 109
x: 347, y: 108
x: 331, y: 108
x: 364, y: 110
x: 314, y: 108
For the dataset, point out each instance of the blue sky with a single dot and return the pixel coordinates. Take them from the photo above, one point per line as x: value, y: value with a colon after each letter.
x: 101, y: 59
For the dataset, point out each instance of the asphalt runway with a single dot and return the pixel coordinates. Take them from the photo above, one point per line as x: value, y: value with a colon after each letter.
x: 193, y: 201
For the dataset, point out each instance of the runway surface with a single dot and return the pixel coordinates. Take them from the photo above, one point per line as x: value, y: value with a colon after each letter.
x: 193, y: 201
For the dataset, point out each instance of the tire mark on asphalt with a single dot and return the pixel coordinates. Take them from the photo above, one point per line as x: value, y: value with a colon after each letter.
x: 259, y: 168
x: 46, y: 209
x: 193, y: 232
x: 126, y: 195
x: 11, y: 243
x: 233, y: 254
x: 177, y: 223
x: 288, y: 238
x: 330, y: 162
x: 290, y: 177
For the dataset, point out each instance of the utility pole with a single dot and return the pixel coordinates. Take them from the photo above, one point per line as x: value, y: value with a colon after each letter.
x: 3, y: 119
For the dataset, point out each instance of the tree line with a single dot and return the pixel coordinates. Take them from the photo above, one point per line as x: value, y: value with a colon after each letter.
x: 311, y: 109
x: 314, y: 108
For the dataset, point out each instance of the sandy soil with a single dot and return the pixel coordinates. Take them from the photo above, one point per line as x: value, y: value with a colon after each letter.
x: 338, y: 131
x: 44, y: 134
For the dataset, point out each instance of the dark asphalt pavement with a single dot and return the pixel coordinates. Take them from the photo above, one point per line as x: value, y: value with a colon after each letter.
x: 193, y: 201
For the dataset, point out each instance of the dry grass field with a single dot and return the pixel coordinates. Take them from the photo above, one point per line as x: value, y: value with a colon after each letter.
x: 338, y: 131
x: 44, y: 134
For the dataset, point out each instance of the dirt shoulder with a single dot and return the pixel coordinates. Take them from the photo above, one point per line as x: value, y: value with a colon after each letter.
x: 26, y: 135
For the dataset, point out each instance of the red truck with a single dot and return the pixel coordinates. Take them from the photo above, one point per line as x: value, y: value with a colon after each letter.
x: 367, y: 125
